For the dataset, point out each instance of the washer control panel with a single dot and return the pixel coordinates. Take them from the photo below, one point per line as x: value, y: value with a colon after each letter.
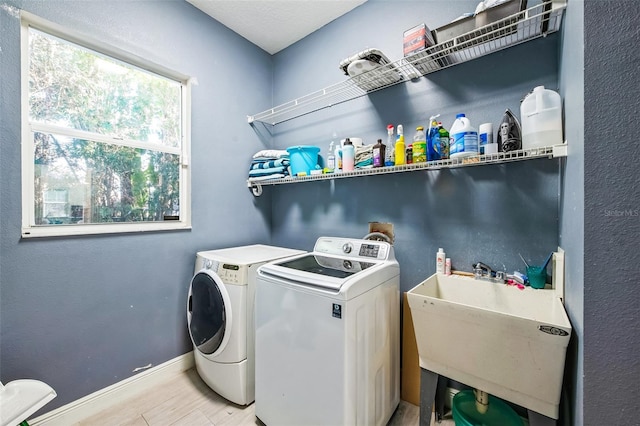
x: 354, y: 248
x: 229, y: 273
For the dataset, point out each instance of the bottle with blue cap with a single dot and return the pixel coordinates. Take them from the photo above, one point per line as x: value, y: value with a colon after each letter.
x: 389, y: 155
x: 463, y: 138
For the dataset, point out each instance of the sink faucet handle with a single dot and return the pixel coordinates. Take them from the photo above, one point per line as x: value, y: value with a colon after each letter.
x: 482, y: 267
x: 501, y: 276
x: 477, y: 273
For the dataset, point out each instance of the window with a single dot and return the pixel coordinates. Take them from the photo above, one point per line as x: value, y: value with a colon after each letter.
x: 56, y: 203
x: 105, y: 138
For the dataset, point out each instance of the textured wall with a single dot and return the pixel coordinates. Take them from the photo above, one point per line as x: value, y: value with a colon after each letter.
x: 572, y: 204
x: 612, y: 213
x: 83, y: 313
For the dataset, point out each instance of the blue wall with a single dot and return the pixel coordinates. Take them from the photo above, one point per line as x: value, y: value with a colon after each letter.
x: 611, y: 213
x: 572, y: 202
x: 83, y: 313
x: 487, y: 213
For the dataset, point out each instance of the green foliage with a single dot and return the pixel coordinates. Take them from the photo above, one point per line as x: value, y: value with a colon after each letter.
x: 79, y: 89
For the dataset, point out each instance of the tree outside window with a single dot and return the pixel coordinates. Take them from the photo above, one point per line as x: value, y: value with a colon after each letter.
x: 107, y: 134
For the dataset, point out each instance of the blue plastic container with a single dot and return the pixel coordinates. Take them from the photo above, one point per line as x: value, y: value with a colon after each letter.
x: 303, y: 158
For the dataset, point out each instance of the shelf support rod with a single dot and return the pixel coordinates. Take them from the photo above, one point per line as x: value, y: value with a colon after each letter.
x: 256, y: 189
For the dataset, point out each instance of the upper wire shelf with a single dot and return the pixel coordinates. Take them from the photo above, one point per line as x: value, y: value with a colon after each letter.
x: 529, y: 24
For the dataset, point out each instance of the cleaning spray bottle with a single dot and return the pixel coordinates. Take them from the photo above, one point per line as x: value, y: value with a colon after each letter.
x: 444, y: 141
x: 331, y: 158
x: 390, y: 159
x: 433, y: 140
x: 400, y: 154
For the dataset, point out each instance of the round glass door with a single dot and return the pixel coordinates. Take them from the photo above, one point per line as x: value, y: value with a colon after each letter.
x: 208, y: 316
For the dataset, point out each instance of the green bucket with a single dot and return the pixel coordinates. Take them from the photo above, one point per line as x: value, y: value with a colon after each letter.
x: 498, y: 412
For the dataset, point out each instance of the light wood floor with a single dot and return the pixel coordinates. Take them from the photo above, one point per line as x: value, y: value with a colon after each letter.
x: 187, y: 401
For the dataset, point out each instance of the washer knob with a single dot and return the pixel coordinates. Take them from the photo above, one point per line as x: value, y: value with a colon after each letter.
x: 347, y: 247
x: 208, y: 263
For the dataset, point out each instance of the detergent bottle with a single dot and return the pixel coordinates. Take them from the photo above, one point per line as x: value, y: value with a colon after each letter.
x: 419, y: 148
x: 541, y: 115
x: 433, y: 140
x: 463, y: 138
x: 400, y: 153
x: 444, y: 141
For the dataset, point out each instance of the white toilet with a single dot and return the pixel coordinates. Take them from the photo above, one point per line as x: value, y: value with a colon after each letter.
x: 21, y: 398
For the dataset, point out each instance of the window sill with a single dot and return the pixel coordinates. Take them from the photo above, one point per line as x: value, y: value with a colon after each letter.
x: 98, y: 229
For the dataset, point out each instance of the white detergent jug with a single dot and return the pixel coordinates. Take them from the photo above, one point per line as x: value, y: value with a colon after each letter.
x: 541, y: 115
x: 463, y: 138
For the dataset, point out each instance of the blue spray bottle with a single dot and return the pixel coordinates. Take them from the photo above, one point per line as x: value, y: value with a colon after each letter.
x: 433, y: 140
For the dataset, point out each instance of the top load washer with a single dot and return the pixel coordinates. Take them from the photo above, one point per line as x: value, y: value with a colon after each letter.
x: 328, y: 335
x: 220, y: 317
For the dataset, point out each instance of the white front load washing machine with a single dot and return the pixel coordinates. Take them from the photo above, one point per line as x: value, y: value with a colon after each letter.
x: 220, y: 317
x: 328, y: 336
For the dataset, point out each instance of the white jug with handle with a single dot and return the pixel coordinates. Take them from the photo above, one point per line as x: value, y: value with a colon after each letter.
x: 541, y: 115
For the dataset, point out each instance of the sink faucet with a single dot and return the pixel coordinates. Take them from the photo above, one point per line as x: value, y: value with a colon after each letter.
x: 483, y: 272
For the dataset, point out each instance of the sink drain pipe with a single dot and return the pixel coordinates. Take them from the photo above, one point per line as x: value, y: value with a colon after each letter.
x: 482, y: 401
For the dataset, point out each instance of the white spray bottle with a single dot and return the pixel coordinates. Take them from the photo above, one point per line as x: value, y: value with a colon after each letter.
x: 331, y: 158
x: 338, y: 156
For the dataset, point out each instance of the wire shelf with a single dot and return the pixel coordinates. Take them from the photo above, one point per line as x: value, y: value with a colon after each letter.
x: 497, y: 158
x: 529, y: 24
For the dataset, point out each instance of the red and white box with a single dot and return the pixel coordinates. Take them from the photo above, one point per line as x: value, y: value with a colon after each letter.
x: 416, y: 39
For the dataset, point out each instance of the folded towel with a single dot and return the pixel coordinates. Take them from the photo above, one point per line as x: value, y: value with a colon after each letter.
x: 255, y: 164
x: 268, y: 158
x: 264, y: 172
x: 364, y: 156
x: 364, y: 163
x: 273, y: 176
x: 271, y: 154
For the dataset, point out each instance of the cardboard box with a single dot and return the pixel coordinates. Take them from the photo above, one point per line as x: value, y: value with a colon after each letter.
x: 383, y: 228
x: 416, y: 39
x: 410, y: 375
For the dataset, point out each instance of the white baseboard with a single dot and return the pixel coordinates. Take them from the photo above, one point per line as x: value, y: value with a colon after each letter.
x: 94, y: 403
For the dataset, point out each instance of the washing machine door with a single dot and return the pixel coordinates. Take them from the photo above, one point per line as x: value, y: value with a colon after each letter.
x: 208, y: 313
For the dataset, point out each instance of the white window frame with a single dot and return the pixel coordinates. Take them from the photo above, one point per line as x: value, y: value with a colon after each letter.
x: 29, y: 229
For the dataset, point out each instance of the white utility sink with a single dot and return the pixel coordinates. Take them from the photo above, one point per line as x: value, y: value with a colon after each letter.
x: 500, y: 339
